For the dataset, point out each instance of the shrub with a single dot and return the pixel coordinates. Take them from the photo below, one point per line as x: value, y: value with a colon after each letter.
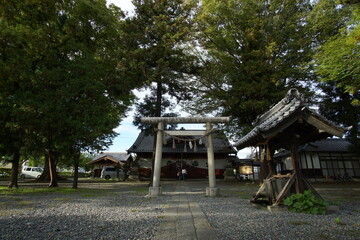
x: 306, y: 203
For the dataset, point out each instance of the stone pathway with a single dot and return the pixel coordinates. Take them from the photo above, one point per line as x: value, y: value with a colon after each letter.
x: 183, y: 218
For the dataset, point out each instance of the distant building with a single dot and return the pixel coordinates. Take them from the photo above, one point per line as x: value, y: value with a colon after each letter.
x: 182, y: 152
x: 109, y: 159
x: 327, y: 158
x: 247, y: 168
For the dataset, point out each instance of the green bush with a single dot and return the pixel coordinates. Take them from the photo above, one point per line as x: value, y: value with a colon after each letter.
x: 305, y: 203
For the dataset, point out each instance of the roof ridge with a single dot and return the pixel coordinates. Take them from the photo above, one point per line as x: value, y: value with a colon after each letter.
x: 293, y: 95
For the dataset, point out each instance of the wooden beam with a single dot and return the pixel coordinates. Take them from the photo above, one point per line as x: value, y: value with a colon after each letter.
x: 324, y: 126
x: 312, y: 189
x: 186, y: 132
x: 262, y: 188
x: 285, y: 190
x: 155, y: 120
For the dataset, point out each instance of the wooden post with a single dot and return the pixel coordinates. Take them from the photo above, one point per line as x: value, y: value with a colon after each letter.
x: 296, y: 166
x: 263, y: 165
x: 270, y: 162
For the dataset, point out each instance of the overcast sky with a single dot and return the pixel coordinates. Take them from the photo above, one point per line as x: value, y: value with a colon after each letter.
x: 125, y: 5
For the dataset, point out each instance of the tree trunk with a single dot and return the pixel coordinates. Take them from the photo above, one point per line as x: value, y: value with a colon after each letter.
x: 46, y: 173
x: 157, y: 114
x: 158, y: 100
x: 52, y: 169
x: 15, y: 170
x: 76, y: 172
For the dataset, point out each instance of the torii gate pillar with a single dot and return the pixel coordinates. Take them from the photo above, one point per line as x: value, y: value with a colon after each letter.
x: 212, y: 190
x: 155, y: 190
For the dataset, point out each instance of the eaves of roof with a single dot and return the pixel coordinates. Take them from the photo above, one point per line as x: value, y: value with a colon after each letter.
x: 330, y: 145
x: 289, y: 110
x: 112, y: 156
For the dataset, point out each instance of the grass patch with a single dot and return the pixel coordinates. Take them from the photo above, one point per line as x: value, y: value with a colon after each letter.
x: 9, y: 213
x: 59, y: 190
x: 63, y: 199
x: 339, y: 222
x: 23, y: 191
x: 103, y: 228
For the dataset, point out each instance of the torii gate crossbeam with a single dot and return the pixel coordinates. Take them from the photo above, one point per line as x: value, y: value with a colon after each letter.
x: 212, y: 190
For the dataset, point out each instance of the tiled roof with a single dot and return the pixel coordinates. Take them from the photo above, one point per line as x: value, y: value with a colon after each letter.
x: 289, y: 110
x: 144, y: 143
x: 326, y: 145
x: 117, y: 156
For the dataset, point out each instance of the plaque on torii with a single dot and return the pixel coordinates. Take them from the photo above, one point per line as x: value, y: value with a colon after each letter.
x: 155, y: 189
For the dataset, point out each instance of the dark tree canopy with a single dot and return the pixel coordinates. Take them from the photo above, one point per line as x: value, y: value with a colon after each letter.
x: 255, y: 50
x: 162, y: 30
x: 68, y: 93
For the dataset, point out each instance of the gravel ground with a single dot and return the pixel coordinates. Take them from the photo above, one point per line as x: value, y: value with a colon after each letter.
x: 122, y: 213
x: 235, y: 218
x: 113, y: 210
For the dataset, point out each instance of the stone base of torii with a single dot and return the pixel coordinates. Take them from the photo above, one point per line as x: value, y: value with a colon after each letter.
x: 155, y: 189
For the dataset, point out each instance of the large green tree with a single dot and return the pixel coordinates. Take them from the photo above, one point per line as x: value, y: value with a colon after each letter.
x: 162, y: 53
x: 70, y: 92
x: 147, y: 108
x: 337, y: 66
x: 338, y: 58
x: 336, y: 104
x: 162, y: 30
x: 253, y: 51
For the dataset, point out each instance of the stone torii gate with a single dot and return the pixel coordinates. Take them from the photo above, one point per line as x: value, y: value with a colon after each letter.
x: 155, y: 189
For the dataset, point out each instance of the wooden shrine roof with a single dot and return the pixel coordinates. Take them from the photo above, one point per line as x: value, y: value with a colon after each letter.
x: 144, y: 144
x: 330, y: 145
x: 287, y: 118
x: 110, y: 158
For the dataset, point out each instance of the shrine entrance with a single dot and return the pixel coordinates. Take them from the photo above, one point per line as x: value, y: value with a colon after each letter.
x: 155, y: 189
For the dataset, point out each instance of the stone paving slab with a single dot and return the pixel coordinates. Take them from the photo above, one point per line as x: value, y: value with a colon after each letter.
x: 184, y: 219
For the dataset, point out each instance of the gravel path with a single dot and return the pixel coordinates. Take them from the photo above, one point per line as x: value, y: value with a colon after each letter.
x: 121, y: 211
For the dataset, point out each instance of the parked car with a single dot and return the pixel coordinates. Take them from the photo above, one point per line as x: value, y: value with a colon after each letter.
x: 110, y: 172
x: 31, y: 172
